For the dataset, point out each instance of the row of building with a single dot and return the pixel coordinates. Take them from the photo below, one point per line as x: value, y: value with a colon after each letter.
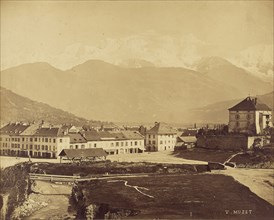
x: 47, y: 141
x: 20, y: 139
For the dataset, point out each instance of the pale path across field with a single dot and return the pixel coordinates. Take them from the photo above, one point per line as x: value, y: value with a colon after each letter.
x: 153, y: 157
x: 259, y: 181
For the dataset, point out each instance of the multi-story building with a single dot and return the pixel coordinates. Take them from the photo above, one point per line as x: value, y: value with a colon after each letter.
x: 123, y: 142
x: 77, y: 141
x: 250, y: 116
x: 160, y: 138
x: 10, y: 140
x: 32, y: 140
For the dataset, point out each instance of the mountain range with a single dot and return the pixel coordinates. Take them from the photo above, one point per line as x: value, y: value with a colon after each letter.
x: 18, y: 108
x: 218, y: 112
x: 103, y: 91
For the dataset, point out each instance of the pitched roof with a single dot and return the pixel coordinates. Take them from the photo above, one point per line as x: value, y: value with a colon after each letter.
x: 14, y: 128
x: 47, y: 132
x: 76, y: 138
x: 132, y: 135
x: 189, y: 132
x: 250, y: 104
x: 90, y: 135
x: 83, y: 153
x: 31, y: 130
x: 187, y: 139
x: 110, y: 135
x: 161, y: 128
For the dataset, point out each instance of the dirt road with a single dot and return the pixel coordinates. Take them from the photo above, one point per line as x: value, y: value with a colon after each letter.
x: 259, y: 181
x: 154, y: 157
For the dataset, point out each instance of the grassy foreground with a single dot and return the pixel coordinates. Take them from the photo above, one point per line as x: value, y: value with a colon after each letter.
x: 179, y: 197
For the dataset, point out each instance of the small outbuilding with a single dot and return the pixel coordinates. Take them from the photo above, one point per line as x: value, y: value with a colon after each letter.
x: 83, y: 154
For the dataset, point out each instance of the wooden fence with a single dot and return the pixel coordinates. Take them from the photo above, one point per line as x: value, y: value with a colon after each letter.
x: 63, y: 178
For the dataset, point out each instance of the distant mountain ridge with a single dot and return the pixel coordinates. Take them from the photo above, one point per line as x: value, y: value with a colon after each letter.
x: 18, y: 108
x: 218, y: 112
x: 107, y: 92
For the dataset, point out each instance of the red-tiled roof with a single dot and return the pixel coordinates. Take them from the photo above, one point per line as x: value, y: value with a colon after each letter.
x: 250, y: 104
x: 83, y: 153
x: 161, y: 128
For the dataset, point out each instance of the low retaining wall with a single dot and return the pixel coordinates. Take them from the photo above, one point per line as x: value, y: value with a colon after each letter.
x: 223, y: 142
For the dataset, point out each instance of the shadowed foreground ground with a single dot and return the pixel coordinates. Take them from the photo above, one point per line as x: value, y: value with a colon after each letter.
x: 180, y: 197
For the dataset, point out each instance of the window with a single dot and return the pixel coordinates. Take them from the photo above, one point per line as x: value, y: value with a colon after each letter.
x: 61, y: 140
x: 149, y: 136
x: 248, y: 117
x: 46, y: 147
x: 95, y: 145
x: 149, y: 142
x: 42, y: 139
x: 237, y: 116
x: 131, y: 143
x: 82, y: 146
x: 126, y: 143
x: 161, y: 142
x: 42, y: 147
x: 30, y: 139
x: 35, y: 139
x: 117, y: 144
x: 267, y: 116
x: 122, y: 144
x: 71, y: 146
x: 30, y: 147
x: 23, y: 139
x: 136, y: 143
x: 112, y: 144
x: 46, y: 139
x: 49, y: 140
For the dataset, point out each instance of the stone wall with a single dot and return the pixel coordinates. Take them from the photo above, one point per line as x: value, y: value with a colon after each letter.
x: 223, y: 142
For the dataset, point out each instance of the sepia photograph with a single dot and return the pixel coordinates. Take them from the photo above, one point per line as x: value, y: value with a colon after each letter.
x: 136, y: 109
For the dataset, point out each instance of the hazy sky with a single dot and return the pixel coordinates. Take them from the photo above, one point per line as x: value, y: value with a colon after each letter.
x: 36, y: 30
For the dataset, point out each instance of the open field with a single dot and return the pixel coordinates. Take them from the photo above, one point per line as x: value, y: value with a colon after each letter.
x: 204, y: 155
x: 178, y: 197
